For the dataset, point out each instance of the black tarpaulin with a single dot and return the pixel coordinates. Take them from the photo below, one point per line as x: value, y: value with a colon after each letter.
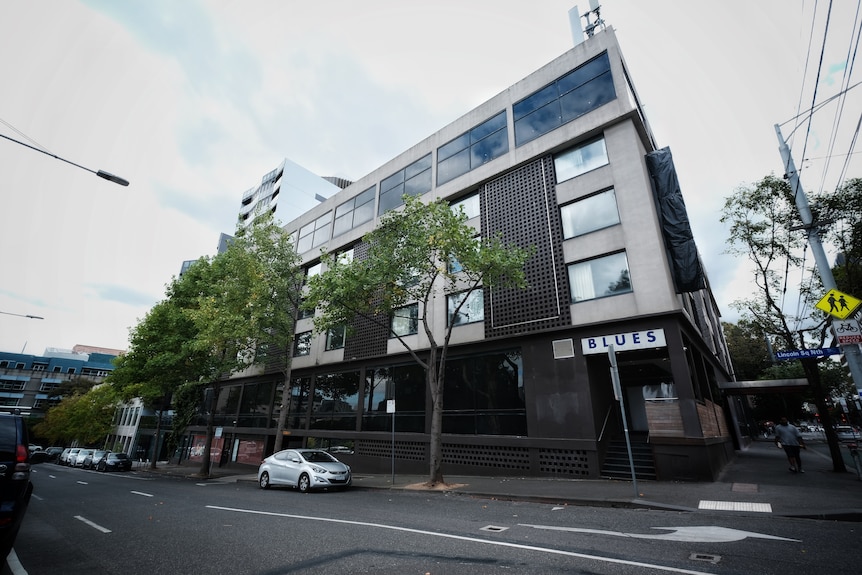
x: 685, y: 262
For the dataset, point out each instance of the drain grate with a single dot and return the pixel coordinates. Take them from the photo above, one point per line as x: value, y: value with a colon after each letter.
x: 705, y: 557
x: 493, y: 528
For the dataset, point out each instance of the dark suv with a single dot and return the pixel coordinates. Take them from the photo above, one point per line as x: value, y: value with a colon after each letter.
x: 15, y: 486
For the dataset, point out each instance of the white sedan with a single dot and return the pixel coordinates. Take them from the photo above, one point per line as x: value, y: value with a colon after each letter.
x: 304, y: 469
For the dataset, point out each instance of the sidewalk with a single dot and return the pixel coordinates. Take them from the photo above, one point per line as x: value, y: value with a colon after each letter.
x: 757, y: 481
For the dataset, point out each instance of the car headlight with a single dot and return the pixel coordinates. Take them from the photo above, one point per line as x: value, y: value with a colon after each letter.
x: 316, y: 469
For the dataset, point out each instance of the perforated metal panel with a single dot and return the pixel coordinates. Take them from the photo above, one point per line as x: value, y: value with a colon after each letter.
x: 404, y: 450
x: 522, y: 206
x: 564, y: 462
x: 491, y: 457
x: 366, y: 338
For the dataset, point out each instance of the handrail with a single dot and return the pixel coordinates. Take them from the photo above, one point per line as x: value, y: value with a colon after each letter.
x: 605, y: 424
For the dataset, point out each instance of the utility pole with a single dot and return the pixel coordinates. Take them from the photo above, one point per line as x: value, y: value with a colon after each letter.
x: 851, y: 352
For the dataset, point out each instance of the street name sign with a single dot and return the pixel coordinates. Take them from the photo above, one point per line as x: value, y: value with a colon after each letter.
x: 800, y: 353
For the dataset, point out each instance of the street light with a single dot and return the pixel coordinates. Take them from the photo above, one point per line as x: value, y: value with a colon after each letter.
x: 102, y: 174
x: 28, y: 316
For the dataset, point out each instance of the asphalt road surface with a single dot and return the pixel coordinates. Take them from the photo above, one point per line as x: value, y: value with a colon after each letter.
x: 125, y: 523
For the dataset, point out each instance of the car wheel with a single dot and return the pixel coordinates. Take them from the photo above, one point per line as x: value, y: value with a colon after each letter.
x: 304, y: 483
x: 264, y: 480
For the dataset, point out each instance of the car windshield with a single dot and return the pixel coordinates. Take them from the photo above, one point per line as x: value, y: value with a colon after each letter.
x: 119, y: 456
x: 318, y: 457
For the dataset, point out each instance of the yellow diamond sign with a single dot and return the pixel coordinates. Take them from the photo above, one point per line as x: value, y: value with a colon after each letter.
x: 838, y: 304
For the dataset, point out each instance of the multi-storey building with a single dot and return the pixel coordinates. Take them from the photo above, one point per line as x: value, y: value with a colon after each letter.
x: 563, y: 161
x: 28, y: 382
x: 289, y: 184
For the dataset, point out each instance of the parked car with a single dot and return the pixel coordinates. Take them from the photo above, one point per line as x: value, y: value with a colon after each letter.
x: 114, y: 462
x: 54, y: 453
x: 91, y: 460
x: 15, y: 485
x: 847, y: 433
x: 70, y: 457
x: 304, y: 469
x: 82, y: 454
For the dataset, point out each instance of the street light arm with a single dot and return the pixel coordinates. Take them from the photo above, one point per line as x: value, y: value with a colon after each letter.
x: 106, y: 175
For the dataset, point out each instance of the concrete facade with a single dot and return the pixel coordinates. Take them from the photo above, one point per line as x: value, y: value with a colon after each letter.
x: 537, y: 397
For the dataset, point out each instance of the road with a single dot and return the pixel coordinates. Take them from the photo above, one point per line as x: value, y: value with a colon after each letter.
x: 128, y: 523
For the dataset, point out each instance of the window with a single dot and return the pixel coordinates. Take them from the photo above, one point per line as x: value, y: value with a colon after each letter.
x: 470, y: 150
x: 305, y: 313
x: 580, y: 160
x: 471, y: 311
x: 70, y: 370
x: 470, y: 206
x: 315, y: 234
x: 335, y: 338
x: 605, y: 276
x: 414, y: 180
x: 302, y: 344
x: 405, y: 320
x: 354, y: 212
x: 403, y: 383
x: 336, y: 398
x: 571, y: 96
x: 40, y: 366
x: 313, y: 270
x: 590, y: 214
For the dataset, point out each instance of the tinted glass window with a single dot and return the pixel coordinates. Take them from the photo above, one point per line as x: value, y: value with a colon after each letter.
x: 580, y: 159
x: 413, y: 180
x: 578, y: 92
x: 483, y: 143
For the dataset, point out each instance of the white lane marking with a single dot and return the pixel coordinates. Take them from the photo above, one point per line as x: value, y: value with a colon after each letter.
x: 93, y: 525
x: 82, y: 482
x: 735, y: 506
x: 694, y: 534
x: 52, y: 476
x: 14, y: 564
x: 471, y: 539
x: 142, y: 493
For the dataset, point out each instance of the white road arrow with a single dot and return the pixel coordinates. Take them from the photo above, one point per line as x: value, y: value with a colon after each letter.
x: 697, y: 534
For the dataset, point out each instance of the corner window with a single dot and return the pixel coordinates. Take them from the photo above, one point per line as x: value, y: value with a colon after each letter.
x: 580, y: 160
x: 589, y: 214
x: 405, y: 320
x: 302, y: 344
x: 600, y: 277
x: 472, y: 310
x: 335, y: 338
x: 580, y: 91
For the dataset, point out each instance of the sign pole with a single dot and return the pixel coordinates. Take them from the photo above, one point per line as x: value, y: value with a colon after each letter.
x: 618, y: 394
x: 390, y: 408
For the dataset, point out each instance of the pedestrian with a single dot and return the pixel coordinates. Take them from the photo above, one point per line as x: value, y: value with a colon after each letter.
x: 790, y: 438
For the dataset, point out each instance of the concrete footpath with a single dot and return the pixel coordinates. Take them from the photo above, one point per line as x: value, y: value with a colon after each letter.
x: 757, y: 481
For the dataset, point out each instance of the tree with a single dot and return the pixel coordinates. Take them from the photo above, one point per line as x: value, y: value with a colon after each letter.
x: 162, y: 355
x: 244, y: 315
x: 763, y: 227
x: 840, y: 213
x: 86, y: 417
x: 415, y: 256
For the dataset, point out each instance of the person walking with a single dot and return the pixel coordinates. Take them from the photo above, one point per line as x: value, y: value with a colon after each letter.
x: 790, y: 438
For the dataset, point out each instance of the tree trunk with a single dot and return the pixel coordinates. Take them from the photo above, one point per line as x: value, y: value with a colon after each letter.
x: 813, y: 374
x: 282, y: 415
x: 435, y: 450
x: 156, y: 441
x: 205, y: 462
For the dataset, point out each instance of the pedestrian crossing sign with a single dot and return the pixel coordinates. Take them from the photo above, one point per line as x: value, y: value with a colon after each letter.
x: 838, y: 304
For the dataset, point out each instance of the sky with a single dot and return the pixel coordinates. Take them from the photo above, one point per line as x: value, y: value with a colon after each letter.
x: 194, y: 101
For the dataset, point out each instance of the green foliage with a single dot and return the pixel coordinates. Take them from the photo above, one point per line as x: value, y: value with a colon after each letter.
x: 409, y: 259
x: 85, y: 417
x: 840, y: 213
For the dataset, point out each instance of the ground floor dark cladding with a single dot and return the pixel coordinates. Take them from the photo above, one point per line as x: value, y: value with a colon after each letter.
x: 536, y: 406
